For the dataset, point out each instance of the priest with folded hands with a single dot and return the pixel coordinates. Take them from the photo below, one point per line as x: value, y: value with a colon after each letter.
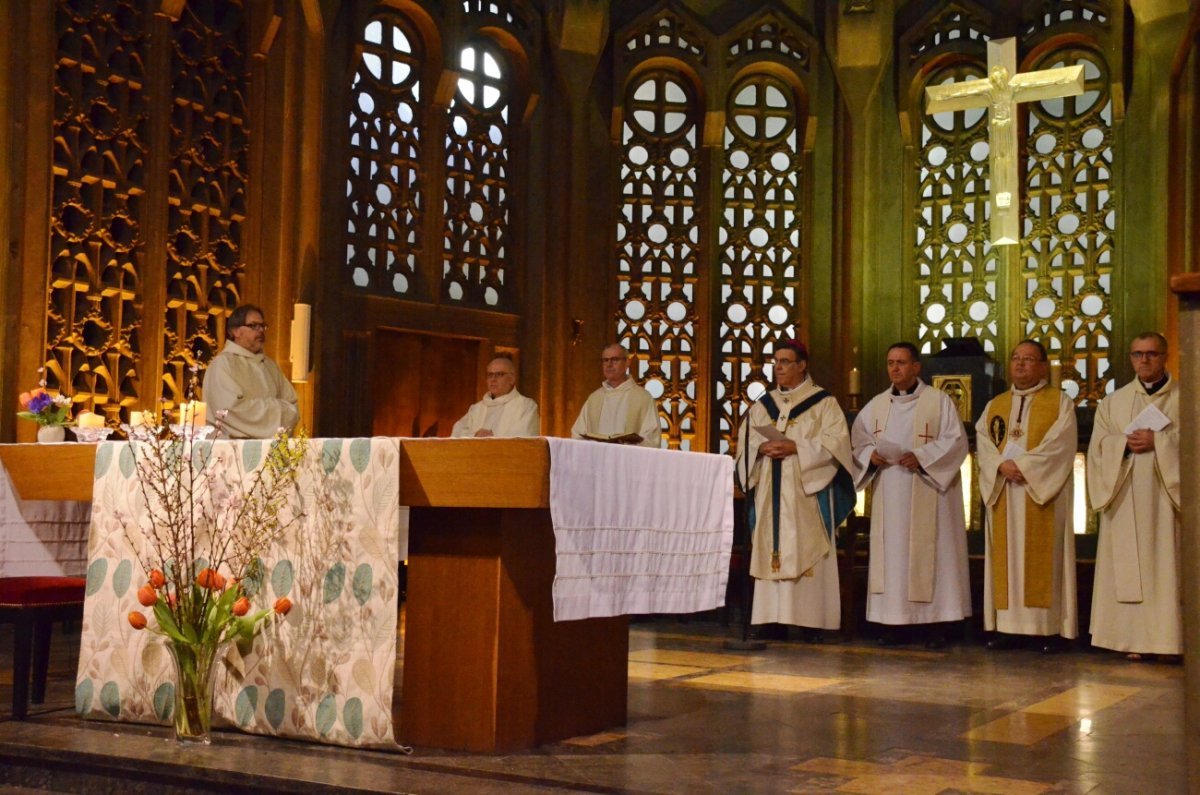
x: 503, y: 411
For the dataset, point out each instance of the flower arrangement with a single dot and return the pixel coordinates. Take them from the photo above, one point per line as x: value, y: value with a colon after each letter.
x: 201, y: 538
x: 43, y: 408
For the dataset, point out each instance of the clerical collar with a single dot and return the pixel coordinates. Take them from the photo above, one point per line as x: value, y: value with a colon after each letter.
x: 897, y: 393
x: 1030, y: 390
x: 786, y: 392
x: 625, y: 383
x: 1157, y: 385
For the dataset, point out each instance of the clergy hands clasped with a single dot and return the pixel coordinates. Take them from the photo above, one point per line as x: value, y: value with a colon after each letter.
x: 908, y: 461
x: 1011, y: 472
x: 778, y: 450
x: 1141, y: 441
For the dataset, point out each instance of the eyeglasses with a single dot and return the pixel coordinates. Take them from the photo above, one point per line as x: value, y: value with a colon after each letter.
x: 1024, y: 360
x: 256, y: 326
x: 612, y: 359
x: 1145, y: 354
x: 498, y: 375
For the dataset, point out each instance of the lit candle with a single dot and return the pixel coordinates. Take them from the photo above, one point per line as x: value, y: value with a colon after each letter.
x: 1056, y: 373
x: 855, y: 382
x: 139, y: 418
x: 87, y: 419
x: 193, y: 413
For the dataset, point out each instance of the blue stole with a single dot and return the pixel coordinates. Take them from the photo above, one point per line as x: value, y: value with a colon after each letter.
x: 835, y: 502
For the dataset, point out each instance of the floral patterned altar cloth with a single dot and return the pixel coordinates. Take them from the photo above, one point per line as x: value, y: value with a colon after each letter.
x: 325, y: 671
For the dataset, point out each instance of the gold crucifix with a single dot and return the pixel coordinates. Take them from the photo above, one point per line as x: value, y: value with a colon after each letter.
x: 1000, y: 92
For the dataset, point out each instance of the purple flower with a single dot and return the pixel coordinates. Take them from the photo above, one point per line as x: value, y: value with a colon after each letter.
x: 40, y: 402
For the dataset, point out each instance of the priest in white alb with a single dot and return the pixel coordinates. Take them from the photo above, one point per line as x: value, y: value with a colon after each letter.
x: 620, y: 410
x: 1133, y: 481
x: 1026, y: 441
x: 909, y: 445
x: 503, y: 411
x: 794, y: 465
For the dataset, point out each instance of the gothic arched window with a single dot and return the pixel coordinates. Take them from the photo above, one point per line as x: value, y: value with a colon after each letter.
x: 759, y: 240
x: 1069, y: 223
x: 475, y: 245
x: 384, y: 186
x: 955, y: 277
x: 658, y: 242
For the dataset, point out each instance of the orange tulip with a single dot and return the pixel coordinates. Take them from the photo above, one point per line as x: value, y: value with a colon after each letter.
x: 24, y: 399
x: 241, y: 607
x: 211, y: 579
x: 157, y: 578
x: 283, y: 605
x: 137, y: 620
x: 147, y: 595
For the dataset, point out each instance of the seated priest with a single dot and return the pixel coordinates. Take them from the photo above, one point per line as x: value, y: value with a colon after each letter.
x: 620, y: 410
x: 503, y: 411
x: 248, y: 396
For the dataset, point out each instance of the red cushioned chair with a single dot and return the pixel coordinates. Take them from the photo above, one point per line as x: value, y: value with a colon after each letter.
x: 33, y: 604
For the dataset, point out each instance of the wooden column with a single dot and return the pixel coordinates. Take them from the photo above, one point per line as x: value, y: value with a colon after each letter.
x: 1186, y: 287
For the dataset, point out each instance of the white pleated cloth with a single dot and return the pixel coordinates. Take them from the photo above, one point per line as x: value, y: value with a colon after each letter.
x: 638, y: 530
x: 42, y: 538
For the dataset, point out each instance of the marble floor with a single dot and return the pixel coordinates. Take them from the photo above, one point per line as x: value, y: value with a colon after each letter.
x: 843, y: 717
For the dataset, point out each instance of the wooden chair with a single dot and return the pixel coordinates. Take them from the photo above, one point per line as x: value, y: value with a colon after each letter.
x: 33, y: 604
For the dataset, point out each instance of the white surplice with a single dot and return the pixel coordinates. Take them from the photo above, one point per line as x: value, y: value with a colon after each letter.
x: 897, y: 556
x: 505, y: 416
x: 1047, y: 468
x: 804, y: 591
x: 1136, y: 600
x: 616, y: 410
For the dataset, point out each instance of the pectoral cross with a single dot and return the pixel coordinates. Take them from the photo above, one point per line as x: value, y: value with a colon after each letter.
x: 925, y: 436
x: 999, y: 93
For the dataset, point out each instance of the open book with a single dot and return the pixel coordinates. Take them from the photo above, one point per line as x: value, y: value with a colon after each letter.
x: 616, y: 438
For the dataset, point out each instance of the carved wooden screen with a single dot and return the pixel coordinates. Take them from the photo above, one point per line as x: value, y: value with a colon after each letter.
x: 1069, y: 227
x: 385, y: 186
x: 955, y: 276
x: 658, y: 244
x: 207, y: 180
x: 98, y: 205
x: 476, y: 203
x: 759, y: 242
x: 104, y: 197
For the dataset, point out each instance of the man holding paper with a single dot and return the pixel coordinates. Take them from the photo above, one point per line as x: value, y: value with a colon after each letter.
x: 1026, y: 441
x: 909, y: 443
x: 794, y: 464
x: 1133, y: 481
x: 245, y: 384
x: 619, y: 411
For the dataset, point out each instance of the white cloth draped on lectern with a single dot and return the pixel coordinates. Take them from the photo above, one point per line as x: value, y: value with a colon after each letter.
x: 41, y: 538
x: 638, y: 530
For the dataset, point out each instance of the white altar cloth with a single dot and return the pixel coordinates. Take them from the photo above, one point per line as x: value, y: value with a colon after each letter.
x: 41, y: 538
x: 638, y: 530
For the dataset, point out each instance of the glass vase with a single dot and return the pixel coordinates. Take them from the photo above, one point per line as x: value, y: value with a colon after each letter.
x: 195, y: 675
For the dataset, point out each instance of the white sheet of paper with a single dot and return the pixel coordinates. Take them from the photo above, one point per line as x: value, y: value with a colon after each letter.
x: 1012, y: 450
x: 1151, y: 419
x: 889, y: 450
x: 771, y: 433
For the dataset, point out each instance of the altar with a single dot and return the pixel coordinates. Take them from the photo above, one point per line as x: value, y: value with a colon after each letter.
x: 493, y: 556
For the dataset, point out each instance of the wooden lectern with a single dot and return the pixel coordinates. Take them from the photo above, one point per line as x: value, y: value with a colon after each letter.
x: 486, y: 668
